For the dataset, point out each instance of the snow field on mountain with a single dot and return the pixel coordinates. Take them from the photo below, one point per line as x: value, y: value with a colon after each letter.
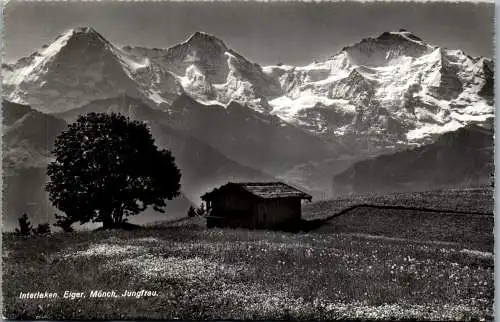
x: 394, y: 85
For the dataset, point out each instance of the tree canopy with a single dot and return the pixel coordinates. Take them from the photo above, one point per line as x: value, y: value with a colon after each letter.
x: 107, y: 168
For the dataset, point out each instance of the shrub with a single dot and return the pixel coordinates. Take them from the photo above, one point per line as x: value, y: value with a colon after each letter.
x: 25, y: 228
x: 64, y: 223
x: 191, y: 212
x: 42, y: 229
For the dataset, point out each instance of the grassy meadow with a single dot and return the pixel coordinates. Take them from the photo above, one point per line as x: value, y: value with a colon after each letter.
x: 368, y: 264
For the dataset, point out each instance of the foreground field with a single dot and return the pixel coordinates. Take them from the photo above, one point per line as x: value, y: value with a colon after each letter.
x: 429, y: 261
x: 239, y: 274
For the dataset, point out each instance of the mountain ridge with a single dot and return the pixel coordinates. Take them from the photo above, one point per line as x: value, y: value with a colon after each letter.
x: 391, y: 70
x: 80, y: 65
x: 461, y: 158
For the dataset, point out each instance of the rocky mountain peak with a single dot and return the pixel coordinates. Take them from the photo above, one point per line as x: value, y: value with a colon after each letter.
x: 205, y: 51
x: 84, y: 37
x: 369, y: 81
x: 83, y: 30
x: 386, y: 47
x: 401, y: 36
x: 204, y: 40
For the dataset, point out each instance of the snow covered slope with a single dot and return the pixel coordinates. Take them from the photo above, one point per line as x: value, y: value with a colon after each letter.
x: 383, y: 93
x: 81, y: 66
x: 211, y: 72
x: 394, y: 87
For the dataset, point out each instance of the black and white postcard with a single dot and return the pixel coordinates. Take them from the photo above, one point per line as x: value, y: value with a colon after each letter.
x: 276, y: 160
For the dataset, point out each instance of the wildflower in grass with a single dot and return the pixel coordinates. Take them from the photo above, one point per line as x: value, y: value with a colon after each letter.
x: 107, y: 250
x: 189, y: 270
x: 148, y: 240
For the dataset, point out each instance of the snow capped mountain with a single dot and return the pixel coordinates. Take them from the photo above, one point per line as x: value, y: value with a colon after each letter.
x: 227, y: 118
x: 389, y: 48
x: 200, y: 49
x: 211, y: 72
x: 395, y: 85
x: 80, y: 66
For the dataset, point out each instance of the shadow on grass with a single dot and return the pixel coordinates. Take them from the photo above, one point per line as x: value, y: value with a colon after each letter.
x: 311, y: 225
x: 303, y: 225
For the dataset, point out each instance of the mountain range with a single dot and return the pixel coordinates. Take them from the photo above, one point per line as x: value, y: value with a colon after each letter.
x: 394, y: 89
x: 227, y: 118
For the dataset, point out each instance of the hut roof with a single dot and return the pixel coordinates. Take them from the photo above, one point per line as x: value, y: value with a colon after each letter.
x: 266, y: 190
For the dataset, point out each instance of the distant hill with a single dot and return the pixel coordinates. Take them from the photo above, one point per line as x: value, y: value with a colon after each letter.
x: 28, y: 138
x: 462, y: 158
x: 259, y: 141
x: 203, y: 166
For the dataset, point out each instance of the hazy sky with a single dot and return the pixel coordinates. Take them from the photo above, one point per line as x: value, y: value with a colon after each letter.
x: 267, y: 33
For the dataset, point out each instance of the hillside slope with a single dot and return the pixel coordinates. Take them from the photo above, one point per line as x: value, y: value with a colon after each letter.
x: 459, y: 158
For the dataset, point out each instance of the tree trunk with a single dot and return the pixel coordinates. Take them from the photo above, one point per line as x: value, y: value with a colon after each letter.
x: 107, y: 219
x: 118, y: 215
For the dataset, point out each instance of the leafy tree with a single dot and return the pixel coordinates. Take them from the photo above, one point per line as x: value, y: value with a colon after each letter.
x: 107, y: 167
x: 191, y: 212
x: 25, y: 228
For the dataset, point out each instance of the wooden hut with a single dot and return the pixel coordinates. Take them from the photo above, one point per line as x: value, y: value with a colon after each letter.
x: 260, y: 205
